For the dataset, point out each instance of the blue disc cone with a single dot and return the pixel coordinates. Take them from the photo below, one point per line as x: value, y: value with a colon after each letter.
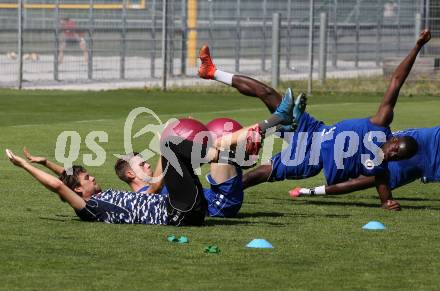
x: 259, y: 243
x: 374, y: 225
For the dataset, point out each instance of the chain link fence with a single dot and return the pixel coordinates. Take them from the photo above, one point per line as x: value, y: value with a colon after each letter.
x: 119, y: 41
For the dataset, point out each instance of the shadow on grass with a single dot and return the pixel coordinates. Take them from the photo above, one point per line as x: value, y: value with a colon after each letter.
x: 61, y: 218
x: 228, y: 221
x: 259, y: 214
x: 238, y: 220
x: 313, y: 215
x: 221, y: 221
x: 415, y: 199
x: 277, y: 214
x: 362, y: 204
x: 277, y: 200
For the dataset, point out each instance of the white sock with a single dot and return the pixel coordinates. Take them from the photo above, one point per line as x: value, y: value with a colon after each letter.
x: 320, y: 190
x: 223, y: 77
x: 313, y: 191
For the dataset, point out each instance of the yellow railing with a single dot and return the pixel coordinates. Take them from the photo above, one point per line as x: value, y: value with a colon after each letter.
x: 192, y: 33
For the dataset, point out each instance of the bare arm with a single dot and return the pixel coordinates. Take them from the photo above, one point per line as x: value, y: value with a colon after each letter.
x: 48, y: 181
x: 157, y: 185
x: 384, y: 191
x: 349, y: 186
x: 57, y: 169
x: 360, y: 183
x: 384, y: 115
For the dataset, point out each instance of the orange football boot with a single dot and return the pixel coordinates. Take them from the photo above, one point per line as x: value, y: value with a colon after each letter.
x: 207, y: 68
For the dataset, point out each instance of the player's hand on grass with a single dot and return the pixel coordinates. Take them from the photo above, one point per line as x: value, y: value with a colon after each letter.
x: 424, y: 37
x: 392, y: 205
x: 297, y: 192
x: 16, y: 160
x: 33, y: 159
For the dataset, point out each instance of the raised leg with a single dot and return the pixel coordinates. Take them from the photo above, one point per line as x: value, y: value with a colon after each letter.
x: 254, y: 88
x: 245, y: 85
x: 257, y: 176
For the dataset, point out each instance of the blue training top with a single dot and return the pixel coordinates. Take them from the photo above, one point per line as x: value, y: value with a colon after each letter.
x: 425, y: 164
x: 350, y: 148
x: 116, y: 206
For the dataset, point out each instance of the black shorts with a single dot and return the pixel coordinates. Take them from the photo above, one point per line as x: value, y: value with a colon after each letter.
x: 187, y: 204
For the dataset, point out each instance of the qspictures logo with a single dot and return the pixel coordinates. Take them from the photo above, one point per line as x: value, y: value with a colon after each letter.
x: 298, y: 148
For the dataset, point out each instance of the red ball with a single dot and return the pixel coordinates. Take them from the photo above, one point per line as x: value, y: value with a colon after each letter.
x: 222, y: 126
x: 187, y: 128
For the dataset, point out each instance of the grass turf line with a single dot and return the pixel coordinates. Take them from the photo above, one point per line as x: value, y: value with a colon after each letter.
x: 318, y: 242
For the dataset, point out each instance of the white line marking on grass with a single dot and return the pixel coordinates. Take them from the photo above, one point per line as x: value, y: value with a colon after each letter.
x: 194, y: 113
x: 92, y: 120
x: 161, y: 115
x: 183, y: 114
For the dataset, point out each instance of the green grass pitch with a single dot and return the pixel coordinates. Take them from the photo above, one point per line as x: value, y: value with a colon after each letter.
x: 319, y: 243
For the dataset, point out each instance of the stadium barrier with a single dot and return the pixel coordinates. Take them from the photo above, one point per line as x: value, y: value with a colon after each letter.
x: 125, y: 42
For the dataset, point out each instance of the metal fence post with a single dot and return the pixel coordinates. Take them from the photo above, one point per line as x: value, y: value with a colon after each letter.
x: 427, y: 14
x: 357, y: 16
x: 184, y: 39
x: 276, y: 23
x: 56, y: 40
x: 379, y: 14
x: 323, y: 48
x: 289, y: 36
x: 398, y: 27
x: 311, y: 32
x: 20, y: 44
x: 263, y: 47
x: 211, y: 24
x: 123, y: 52
x: 238, y: 34
x: 164, y: 44
x: 170, y: 32
x: 335, y: 34
x: 417, y: 26
x: 153, y: 39
x: 91, y: 26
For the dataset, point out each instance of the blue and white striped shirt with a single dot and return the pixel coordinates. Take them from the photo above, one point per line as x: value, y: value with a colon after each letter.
x: 116, y: 206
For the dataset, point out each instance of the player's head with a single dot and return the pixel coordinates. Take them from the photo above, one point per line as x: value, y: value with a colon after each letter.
x: 399, y: 148
x: 133, y: 167
x: 221, y: 126
x: 80, y: 181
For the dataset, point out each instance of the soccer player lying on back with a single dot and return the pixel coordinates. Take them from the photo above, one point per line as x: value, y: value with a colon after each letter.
x: 322, y: 150
x: 224, y: 197
x: 185, y: 203
x: 424, y: 165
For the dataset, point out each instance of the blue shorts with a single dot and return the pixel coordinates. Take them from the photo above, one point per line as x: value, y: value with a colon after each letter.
x: 284, y: 165
x: 225, y: 199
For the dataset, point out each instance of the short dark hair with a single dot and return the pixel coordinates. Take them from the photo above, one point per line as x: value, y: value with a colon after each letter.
x: 409, y: 146
x: 72, y: 180
x: 122, y: 165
